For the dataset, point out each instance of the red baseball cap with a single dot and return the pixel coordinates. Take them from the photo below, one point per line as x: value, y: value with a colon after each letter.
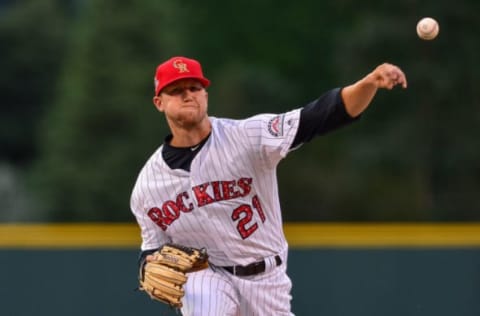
x: 177, y: 68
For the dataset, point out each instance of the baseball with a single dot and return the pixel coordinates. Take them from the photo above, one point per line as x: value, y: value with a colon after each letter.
x: 427, y: 28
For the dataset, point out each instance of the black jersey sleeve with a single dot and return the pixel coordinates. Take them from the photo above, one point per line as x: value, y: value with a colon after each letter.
x: 321, y: 116
x: 143, y: 255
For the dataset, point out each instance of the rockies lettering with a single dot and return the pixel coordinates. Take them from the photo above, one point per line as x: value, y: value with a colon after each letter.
x: 204, y: 194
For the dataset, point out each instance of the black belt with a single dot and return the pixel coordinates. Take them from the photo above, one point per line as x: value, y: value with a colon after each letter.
x: 252, y: 268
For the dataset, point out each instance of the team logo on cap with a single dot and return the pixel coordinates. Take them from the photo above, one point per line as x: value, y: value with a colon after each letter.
x: 180, y: 65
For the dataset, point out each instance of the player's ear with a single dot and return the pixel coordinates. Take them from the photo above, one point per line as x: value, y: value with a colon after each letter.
x: 157, y: 101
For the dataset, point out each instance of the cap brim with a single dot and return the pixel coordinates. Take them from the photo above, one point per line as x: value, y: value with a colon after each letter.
x: 204, y: 81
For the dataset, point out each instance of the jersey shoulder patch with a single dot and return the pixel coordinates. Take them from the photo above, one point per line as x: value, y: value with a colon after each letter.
x: 275, y: 125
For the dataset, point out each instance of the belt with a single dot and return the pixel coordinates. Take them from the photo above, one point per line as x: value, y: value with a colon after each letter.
x: 252, y: 268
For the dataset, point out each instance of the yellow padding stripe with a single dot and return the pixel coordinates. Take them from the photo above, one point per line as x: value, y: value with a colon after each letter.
x: 299, y: 235
x: 98, y: 235
x: 383, y: 235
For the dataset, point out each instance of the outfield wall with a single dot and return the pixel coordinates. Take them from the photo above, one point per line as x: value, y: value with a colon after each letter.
x: 336, y: 269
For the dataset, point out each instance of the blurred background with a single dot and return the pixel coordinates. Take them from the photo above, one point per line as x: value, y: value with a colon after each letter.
x: 77, y: 121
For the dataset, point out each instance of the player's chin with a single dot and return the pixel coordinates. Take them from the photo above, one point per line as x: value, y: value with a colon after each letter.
x: 190, y: 118
x: 188, y: 113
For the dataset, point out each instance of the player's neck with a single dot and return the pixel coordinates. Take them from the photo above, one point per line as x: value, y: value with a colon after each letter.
x: 190, y: 137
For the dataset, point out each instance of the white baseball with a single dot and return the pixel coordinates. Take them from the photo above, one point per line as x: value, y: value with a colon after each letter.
x: 427, y: 28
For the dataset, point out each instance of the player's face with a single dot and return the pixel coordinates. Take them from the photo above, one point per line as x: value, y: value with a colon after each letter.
x: 184, y: 103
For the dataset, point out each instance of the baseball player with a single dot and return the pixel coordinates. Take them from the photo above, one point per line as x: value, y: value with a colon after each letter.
x: 212, y: 184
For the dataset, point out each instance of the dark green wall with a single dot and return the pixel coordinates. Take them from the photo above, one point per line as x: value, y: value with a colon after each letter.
x: 386, y: 282
x: 328, y: 282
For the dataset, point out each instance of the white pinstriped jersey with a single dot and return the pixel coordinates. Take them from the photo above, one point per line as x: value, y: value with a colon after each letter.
x: 228, y: 202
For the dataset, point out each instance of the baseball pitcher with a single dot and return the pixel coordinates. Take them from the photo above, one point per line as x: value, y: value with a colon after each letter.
x: 207, y: 199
